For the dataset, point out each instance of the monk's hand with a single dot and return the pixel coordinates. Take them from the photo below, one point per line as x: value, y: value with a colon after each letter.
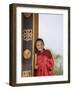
x: 36, y: 66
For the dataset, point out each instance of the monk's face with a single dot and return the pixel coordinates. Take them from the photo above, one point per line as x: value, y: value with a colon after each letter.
x: 39, y: 45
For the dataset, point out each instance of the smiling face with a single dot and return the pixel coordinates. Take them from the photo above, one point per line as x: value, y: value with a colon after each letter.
x: 40, y: 45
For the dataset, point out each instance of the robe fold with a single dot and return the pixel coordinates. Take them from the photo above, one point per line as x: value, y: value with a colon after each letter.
x: 45, y: 64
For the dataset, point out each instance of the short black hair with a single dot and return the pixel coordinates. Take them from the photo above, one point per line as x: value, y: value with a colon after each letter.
x: 38, y: 39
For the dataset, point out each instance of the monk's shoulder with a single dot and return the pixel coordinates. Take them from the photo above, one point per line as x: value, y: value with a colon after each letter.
x: 48, y: 53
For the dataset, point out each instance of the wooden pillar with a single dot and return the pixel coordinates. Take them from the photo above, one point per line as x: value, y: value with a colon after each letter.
x: 29, y: 35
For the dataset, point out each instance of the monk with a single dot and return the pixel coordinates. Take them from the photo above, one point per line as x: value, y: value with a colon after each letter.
x: 44, y: 62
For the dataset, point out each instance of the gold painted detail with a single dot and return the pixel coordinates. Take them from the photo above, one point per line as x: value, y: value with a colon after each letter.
x: 27, y: 15
x: 27, y: 34
x: 27, y: 53
x: 26, y: 73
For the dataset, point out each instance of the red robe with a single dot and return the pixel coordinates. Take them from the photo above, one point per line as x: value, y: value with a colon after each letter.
x: 45, y: 64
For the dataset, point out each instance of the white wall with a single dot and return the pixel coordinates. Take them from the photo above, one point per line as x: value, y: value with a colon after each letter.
x: 51, y: 31
x: 4, y: 45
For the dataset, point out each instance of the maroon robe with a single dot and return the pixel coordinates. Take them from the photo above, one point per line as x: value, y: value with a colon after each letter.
x: 45, y: 64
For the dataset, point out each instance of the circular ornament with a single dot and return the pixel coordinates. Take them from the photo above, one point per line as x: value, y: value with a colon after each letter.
x: 27, y: 53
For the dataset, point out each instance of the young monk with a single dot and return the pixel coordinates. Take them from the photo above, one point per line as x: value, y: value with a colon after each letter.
x: 44, y: 63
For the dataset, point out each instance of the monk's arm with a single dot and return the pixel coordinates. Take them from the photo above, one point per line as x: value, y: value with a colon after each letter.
x: 36, y: 66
